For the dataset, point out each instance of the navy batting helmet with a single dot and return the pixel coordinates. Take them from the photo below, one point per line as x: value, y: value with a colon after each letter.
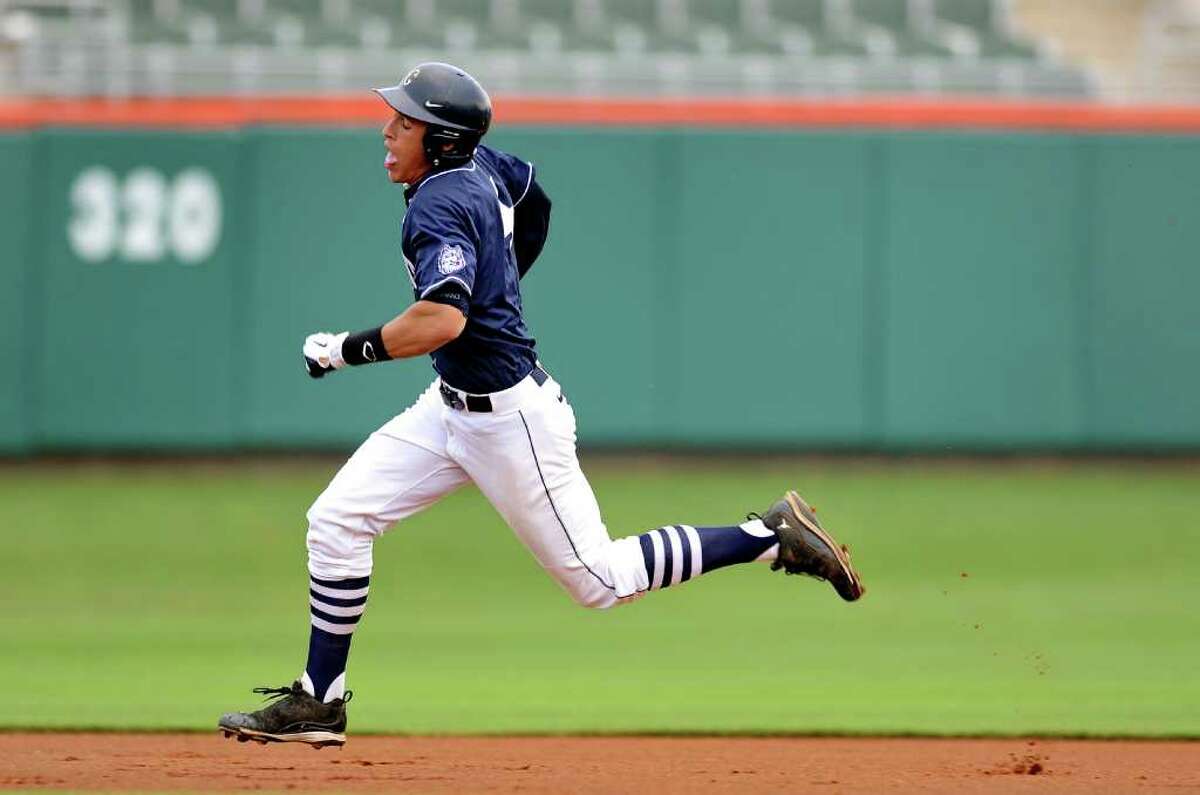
x: 453, y: 104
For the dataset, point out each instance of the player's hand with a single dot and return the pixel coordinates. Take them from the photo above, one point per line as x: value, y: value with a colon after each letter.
x: 323, y: 352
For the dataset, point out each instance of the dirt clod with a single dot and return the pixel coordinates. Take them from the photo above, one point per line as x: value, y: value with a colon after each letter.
x: 1022, y: 765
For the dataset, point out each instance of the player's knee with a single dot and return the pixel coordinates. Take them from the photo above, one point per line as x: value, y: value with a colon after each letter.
x: 612, y: 575
x: 585, y: 585
x: 604, y: 599
x: 593, y: 598
x: 322, y: 523
x: 338, y: 545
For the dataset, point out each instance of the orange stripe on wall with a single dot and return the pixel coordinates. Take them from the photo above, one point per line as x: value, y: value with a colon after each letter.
x: 898, y: 113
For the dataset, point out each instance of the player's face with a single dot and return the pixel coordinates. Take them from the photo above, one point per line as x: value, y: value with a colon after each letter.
x: 403, y: 137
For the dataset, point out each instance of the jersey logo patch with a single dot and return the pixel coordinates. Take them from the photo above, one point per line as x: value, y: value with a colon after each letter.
x: 451, y: 259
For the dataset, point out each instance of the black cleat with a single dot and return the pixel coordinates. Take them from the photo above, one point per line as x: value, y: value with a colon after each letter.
x: 806, y: 548
x: 294, y: 717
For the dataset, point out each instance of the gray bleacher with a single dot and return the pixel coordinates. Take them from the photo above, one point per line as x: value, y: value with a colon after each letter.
x: 572, y: 47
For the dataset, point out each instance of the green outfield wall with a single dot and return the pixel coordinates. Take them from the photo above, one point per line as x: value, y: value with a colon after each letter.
x: 865, y: 290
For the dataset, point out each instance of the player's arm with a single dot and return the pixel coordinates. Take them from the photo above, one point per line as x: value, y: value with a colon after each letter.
x: 422, y: 328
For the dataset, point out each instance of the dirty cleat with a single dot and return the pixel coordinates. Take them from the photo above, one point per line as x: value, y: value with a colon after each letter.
x: 806, y: 548
x: 293, y: 717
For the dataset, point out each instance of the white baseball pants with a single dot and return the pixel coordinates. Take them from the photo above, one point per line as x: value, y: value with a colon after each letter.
x: 522, y: 457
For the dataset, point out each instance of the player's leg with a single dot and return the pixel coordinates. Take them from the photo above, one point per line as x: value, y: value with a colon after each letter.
x: 399, y: 470
x: 539, y: 492
x: 793, y: 539
x: 525, y: 463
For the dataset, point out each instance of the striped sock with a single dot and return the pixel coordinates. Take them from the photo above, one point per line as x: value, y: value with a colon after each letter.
x: 678, y: 553
x: 335, y: 607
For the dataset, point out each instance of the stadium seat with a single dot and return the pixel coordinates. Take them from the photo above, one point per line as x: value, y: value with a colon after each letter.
x: 549, y: 27
x: 895, y: 19
x: 633, y: 27
x: 718, y: 27
x: 989, y: 22
x: 827, y: 23
x: 379, y: 24
x: 209, y: 23
x: 980, y: 16
x: 231, y: 23
x: 773, y: 35
x: 543, y: 26
x: 457, y: 25
x: 621, y: 27
x: 566, y: 25
x: 323, y: 23
x: 453, y: 26
x: 191, y: 23
x: 157, y: 21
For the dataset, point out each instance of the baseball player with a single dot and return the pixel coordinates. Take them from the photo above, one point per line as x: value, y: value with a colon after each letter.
x: 475, y: 223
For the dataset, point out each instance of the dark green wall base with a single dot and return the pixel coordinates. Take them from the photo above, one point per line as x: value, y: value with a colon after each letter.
x: 835, y: 290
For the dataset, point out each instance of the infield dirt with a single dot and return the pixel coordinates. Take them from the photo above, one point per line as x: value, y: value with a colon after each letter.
x: 201, y: 762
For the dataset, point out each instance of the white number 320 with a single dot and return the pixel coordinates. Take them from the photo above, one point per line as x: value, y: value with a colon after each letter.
x: 143, y: 217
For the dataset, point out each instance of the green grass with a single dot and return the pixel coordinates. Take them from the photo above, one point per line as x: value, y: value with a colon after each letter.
x: 1047, y: 598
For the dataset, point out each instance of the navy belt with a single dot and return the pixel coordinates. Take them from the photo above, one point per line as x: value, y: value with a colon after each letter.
x: 481, y: 403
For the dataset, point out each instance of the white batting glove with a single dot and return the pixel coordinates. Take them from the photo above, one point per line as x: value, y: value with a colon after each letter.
x: 323, y: 352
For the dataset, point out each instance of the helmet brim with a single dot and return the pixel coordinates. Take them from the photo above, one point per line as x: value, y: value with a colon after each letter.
x: 399, y: 100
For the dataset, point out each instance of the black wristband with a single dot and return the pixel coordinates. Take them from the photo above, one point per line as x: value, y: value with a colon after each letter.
x: 365, y: 347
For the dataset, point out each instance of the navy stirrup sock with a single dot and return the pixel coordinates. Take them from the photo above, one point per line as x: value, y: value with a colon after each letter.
x: 678, y: 553
x: 335, y: 607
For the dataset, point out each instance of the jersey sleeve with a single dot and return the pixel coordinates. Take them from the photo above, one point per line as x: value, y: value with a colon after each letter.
x: 439, y: 249
x: 531, y: 205
x: 531, y: 224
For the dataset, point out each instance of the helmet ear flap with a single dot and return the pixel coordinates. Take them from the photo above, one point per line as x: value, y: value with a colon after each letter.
x: 446, y: 147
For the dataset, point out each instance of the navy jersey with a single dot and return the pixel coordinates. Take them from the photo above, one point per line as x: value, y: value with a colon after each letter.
x: 461, y: 247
